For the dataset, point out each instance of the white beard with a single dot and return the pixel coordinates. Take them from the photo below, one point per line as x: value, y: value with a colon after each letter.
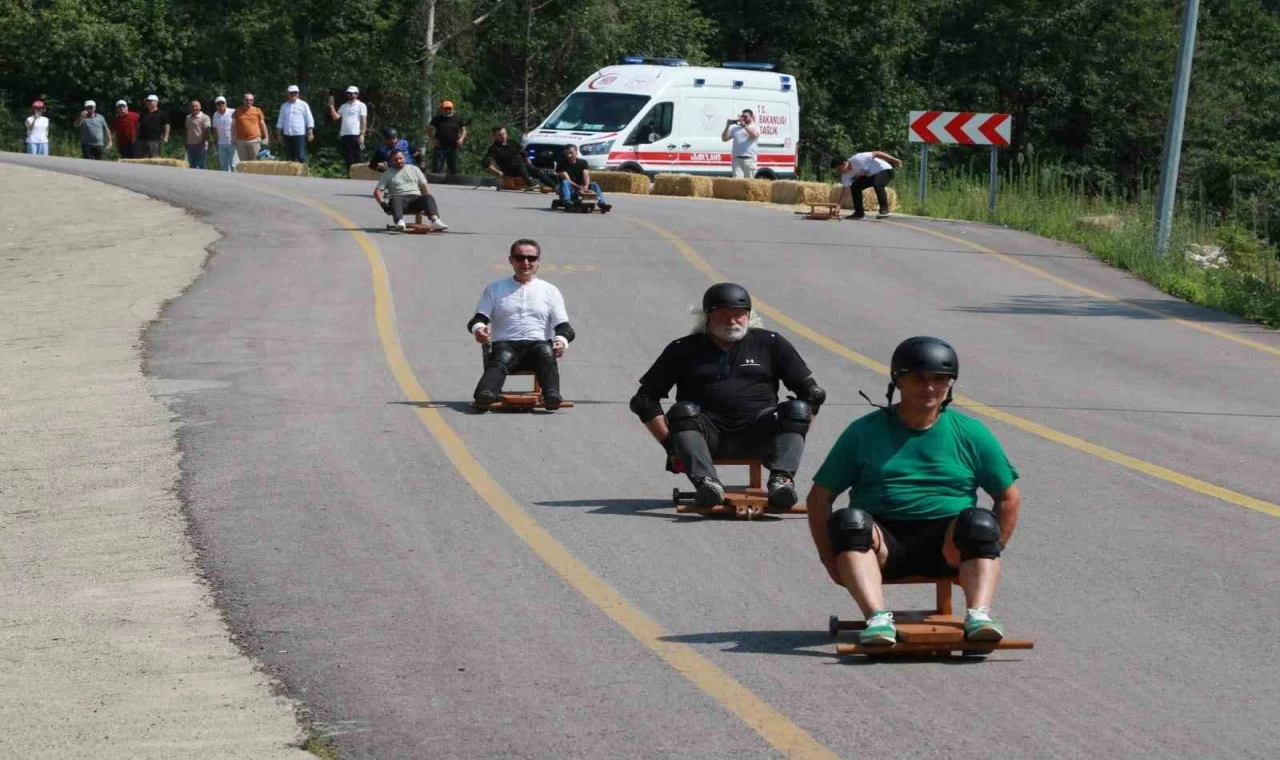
x: 728, y: 333
x: 700, y: 320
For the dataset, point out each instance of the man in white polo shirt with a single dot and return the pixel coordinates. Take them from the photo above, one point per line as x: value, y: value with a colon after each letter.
x: 354, y: 116
x: 745, y: 134
x: 296, y: 125
x: 224, y: 125
x: 872, y: 169
x: 524, y: 321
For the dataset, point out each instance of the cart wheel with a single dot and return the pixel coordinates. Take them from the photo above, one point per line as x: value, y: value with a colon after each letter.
x: 973, y: 653
x: 675, y: 497
x: 833, y: 626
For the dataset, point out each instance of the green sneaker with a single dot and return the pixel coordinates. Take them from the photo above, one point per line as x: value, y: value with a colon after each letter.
x: 880, y: 630
x: 978, y: 626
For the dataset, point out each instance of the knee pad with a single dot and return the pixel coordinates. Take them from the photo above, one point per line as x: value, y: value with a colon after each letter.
x: 977, y: 534
x: 851, y: 530
x: 794, y: 416
x: 683, y: 415
x: 503, y: 358
x: 543, y: 351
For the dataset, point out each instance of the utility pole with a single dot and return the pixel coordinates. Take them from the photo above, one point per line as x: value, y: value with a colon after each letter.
x: 1168, y: 189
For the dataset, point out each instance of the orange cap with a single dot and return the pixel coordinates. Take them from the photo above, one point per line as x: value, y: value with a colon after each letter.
x: 446, y: 104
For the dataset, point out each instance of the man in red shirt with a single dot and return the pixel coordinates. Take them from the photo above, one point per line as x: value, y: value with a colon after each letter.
x: 126, y: 128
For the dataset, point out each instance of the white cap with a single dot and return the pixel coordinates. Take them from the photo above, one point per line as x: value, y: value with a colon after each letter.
x: 90, y: 104
x: 219, y: 99
x: 354, y: 89
x: 153, y: 97
x: 292, y: 88
x: 121, y: 103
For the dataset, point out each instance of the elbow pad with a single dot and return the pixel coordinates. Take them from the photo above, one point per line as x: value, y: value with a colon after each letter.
x: 811, y: 394
x: 644, y: 407
x: 565, y: 330
x: 478, y: 319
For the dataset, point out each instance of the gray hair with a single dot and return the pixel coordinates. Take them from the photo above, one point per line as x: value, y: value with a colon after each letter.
x: 700, y: 319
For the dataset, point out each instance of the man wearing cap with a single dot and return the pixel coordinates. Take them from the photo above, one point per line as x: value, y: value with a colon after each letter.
x: 199, y: 128
x: 447, y: 132
x: 37, y: 130
x: 125, y: 127
x: 153, y: 129
x: 223, y: 120
x: 95, y: 135
x: 250, y: 129
x: 296, y: 125
x: 354, y: 116
x: 726, y: 376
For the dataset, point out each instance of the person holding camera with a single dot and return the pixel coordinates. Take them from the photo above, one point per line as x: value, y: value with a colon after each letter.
x: 37, y: 130
x: 95, y: 135
x: 745, y: 134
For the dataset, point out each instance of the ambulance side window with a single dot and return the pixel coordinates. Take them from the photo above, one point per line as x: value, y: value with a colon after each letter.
x: 657, y: 122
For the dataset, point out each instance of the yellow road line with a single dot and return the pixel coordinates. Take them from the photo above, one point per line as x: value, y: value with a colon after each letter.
x: 774, y: 727
x: 1079, y: 444
x: 1069, y: 285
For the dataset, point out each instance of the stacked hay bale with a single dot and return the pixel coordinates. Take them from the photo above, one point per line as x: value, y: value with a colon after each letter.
x: 794, y: 193
x: 362, y: 171
x: 682, y: 185
x: 869, y: 201
x: 277, y: 168
x: 172, y: 162
x: 755, y: 190
x: 622, y: 182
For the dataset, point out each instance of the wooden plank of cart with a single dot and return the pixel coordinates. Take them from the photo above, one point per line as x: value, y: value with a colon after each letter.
x: 821, y: 211
x: 743, y: 502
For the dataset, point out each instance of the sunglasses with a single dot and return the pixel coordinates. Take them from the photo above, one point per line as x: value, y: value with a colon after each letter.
x: 522, y: 257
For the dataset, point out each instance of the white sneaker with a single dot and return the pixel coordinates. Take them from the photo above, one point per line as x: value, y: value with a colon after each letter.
x: 401, y: 226
x: 438, y: 225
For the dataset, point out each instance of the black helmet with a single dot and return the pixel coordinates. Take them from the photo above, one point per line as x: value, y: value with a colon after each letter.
x: 725, y: 295
x: 923, y: 354
x: 390, y: 133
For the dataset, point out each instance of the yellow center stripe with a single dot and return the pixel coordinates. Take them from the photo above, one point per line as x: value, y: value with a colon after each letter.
x: 1079, y: 444
x: 774, y: 727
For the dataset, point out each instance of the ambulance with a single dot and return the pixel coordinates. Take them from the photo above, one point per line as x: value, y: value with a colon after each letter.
x: 652, y: 115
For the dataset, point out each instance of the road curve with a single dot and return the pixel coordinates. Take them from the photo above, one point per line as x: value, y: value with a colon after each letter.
x: 373, y: 569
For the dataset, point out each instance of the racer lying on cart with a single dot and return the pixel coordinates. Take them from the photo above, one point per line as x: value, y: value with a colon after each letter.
x: 525, y: 322
x: 402, y: 189
x: 913, y: 470
x: 726, y: 376
x: 575, y: 179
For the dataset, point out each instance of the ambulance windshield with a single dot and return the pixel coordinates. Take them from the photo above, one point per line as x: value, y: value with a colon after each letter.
x: 596, y: 112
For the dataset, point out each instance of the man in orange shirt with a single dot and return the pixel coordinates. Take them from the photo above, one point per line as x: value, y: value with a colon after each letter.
x: 250, y: 130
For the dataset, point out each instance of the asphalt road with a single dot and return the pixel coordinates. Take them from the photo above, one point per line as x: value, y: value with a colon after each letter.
x: 375, y: 570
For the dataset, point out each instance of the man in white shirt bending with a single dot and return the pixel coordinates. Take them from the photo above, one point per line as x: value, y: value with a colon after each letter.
x: 872, y: 169
x: 524, y: 321
x: 354, y: 116
x: 296, y: 124
x: 403, y: 189
x: 744, y: 133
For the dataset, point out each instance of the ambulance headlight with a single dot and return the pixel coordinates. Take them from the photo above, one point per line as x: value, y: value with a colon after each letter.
x: 595, y: 149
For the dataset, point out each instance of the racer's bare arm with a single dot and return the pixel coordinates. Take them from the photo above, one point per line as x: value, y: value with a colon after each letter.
x: 886, y: 157
x: 818, y: 503
x: 658, y: 428
x: 1006, y: 507
x: 724, y: 134
x: 586, y: 179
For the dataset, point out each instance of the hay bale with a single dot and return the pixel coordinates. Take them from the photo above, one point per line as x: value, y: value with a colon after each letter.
x: 869, y: 201
x: 754, y: 190
x: 362, y: 171
x: 683, y: 185
x: 622, y: 182
x: 171, y: 162
x: 1106, y: 222
x: 277, y: 168
x: 792, y: 193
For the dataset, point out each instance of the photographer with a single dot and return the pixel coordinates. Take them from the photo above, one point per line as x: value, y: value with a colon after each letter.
x: 744, y: 133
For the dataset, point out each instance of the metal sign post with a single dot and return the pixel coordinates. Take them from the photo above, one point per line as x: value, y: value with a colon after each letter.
x: 959, y: 128
x: 995, y: 178
x: 924, y: 171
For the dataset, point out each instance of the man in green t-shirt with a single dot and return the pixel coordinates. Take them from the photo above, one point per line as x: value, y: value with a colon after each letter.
x: 913, y: 470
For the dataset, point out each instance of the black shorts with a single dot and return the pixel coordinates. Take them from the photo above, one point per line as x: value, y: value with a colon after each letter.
x: 915, y: 547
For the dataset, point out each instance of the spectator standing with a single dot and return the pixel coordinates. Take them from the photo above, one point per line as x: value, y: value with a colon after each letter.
x: 354, y: 116
x: 153, y: 129
x: 198, y: 131
x: 250, y: 129
x: 296, y: 125
x: 37, y: 130
x: 447, y: 132
x: 125, y: 128
x: 223, y: 120
x: 745, y: 134
x: 95, y: 135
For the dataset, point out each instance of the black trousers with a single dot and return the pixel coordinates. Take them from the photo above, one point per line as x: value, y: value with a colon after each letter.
x: 399, y: 205
x: 295, y: 147
x: 876, y: 182
x: 442, y: 156
x: 507, y: 356
x: 781, y: 451
x: 125, y: 149
x: 529, y: 174
x: 92, y: 151
x: 350, y: 149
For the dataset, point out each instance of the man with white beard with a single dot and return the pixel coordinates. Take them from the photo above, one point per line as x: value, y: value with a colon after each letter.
x: 726, y: 377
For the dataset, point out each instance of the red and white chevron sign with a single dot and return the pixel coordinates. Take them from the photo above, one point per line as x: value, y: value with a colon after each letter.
x: 959, y: 128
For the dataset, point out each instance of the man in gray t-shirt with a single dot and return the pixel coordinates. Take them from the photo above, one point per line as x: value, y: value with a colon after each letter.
x: 95, y: 135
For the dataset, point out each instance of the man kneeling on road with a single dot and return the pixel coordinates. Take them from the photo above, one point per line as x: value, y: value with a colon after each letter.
x: 726, y: 376
x: 403, y: 189
x: 524, y: 321
x: 912, y: 469
x: 575, y: 179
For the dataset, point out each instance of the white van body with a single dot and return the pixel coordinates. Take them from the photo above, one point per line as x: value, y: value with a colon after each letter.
x: 614, y: 116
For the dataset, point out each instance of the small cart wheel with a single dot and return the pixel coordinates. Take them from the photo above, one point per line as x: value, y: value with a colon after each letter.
x: 675, y: 497
x: 833, y: 626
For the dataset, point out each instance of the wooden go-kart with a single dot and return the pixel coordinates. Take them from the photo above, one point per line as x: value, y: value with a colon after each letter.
x: 519, y: 401
x: 416, y: 228
x: 517, y: 183
x: 582, y: 203
x: 923, y: 633
x: 821, y: 211
x: 743, y: 502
